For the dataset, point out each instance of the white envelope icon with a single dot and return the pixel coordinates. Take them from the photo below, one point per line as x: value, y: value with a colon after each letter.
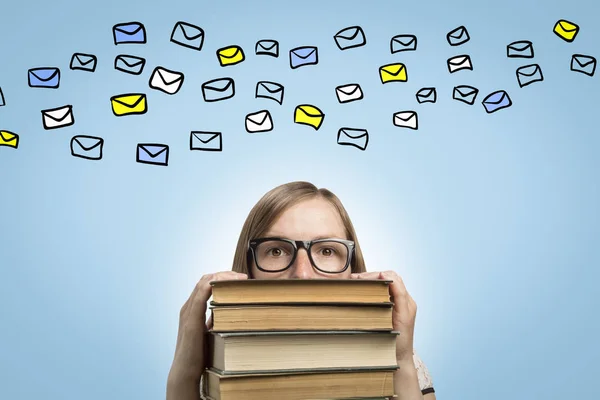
x: 58, y: 117
x: 166, y: 80
x: 358, y: 138
x: 406, y: 119
x: 348, y: 93
x: 259, y: 121
x: 206, y: 141
x: 460, y: 62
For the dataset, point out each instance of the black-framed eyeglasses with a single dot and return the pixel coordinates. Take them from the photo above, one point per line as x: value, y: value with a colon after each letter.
x: 330, y: 255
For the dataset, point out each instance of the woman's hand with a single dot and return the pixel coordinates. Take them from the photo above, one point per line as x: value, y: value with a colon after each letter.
x: 191, y: 350
x: 403, y: 315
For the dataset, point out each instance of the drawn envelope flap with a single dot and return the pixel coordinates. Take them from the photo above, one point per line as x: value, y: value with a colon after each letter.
x: 217, y: 83
x: 466, y: 90
x: 583, y: 61
x: 130, y: 61
x: 271, y: 87
x: 190, y: 32
x: 310, y: 111
x: 458, y: 32
x: 565, y: 26
x: 7, y: 136
x: 491, y: 98
x: 169, y: 77
x: 153, y: 150
x: 426, y: 92
x: 129, y: 100
x: 58, y: 114
x: 349, y: 89
x: 207, y: 135
x: 87, y: 143
x: 349, y: 33
x: 408, y: 39
x: 405, y: 115
x: 129, y: 28
x: 304, y: 52
x: 354, y: 133
x: 529, y: 70
x: 267, y: 44
x: 389, y: 68
x: 84, y: 59
x: 520, y: 45
x: 458, y: 60
x: 258, y: 118
x: 230, y: 52
x: 44, y: 74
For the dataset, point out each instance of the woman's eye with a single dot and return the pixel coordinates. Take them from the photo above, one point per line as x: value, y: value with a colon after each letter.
x: 275, y: 252
x: 327, y: 252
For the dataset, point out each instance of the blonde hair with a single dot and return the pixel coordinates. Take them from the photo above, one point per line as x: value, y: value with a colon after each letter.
x: 273, y: 204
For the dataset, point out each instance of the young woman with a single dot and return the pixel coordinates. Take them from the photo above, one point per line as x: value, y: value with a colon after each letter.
x: 296, y: 231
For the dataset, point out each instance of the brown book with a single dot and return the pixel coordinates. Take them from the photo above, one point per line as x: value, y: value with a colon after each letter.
x: 294, y: 316
x: 263, y: 352
x: 300, y: 386
x: 249, y: 291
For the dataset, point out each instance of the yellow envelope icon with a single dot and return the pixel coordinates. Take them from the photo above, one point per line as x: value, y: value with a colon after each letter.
x: 309, y: 115
x: 393, y: 72
x: 9, y: 139
x: 566, y: 30
x: 230, y: 55
x: 131, y: 103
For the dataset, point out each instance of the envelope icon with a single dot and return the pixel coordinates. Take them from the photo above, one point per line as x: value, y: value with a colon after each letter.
x: 130, y: 64
x: 2, y: 101
x: 301, y: 56
x: 466, y: 94
x: 393, y: 73
x: 496, y: 101
x: 267, y: 47
x: 206, y: 141
x: 259, y: 121
x: 9, y: 139
x: 188, y: 35
x: 581, y: 63
x: 460, y: 62
x: 358, y: 138
x: 306, y: 114
x: 129, y: 32
x: 406, y: 119
x: 270, y: 90
x: 152, y: 153
x: 520, y: 49
x: 349, y: 92
x: 566, y: 30
x: 128, y: 104
x: 58, y: 117
x: 166, y: 80
x: 218, y: 89
x: 44, y: 77
x: 230, y: 55
x: 403, y: 43
x: 529, y: 74
x: 84, y: 62
x: 458, y: 36
x: 88, y: 147
x: 350, y: 37
x: 427, y: 95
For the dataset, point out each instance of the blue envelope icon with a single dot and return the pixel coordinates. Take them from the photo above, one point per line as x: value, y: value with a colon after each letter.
x: 153, y: 153
x: 306, y: 55
x: 129, y: 32
x: 44, y: 77
x: 496, y: 101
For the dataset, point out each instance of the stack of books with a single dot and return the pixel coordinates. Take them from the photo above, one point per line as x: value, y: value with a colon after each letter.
x: 300, y: 339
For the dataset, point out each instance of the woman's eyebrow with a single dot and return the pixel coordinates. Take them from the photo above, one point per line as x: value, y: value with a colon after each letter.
x: 328, y: 236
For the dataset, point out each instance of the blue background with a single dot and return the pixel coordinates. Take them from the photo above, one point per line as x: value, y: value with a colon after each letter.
x: 491, y: 219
